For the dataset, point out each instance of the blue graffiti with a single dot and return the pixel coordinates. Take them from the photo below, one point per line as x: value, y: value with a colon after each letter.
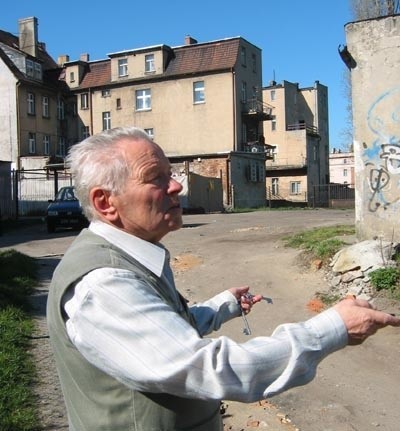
x: 382, y: 157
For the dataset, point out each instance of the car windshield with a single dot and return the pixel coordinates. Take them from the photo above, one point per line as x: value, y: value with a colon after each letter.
x: 66, y: 194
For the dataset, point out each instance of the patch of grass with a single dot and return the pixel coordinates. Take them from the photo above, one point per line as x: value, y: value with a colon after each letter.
x: 17, y: 373
x: 328, y: 299
x: 322, y: 242
x: 386, y: 279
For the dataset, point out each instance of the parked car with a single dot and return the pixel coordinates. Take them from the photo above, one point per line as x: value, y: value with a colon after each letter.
x: 65, y: 211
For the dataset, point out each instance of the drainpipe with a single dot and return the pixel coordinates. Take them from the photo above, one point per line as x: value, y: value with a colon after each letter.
x: 91, y: 111
x: 228, y: 181
x: 234, y: 110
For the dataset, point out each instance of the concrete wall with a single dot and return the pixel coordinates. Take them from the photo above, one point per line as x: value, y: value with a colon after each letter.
x: 374, y: 46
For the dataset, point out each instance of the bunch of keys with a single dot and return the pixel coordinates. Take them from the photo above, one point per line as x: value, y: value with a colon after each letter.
x: 249, y: 296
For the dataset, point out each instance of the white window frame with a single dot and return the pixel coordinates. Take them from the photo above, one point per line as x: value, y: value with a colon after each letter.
x: 106, y: 93
x: 106, y: 118
x: 275, y: 186
x: 60, y: 109
x: 199, y: 95
x: 46, y: 145
x: 122, y: 67
x: 71, y: 76
x: 149, y: 65
x: 295, y: 187
x: 273, y: 94
x: 273, y: 123
x: 143, y: 99
x: 31, y: 104
x: 45, y: 107
x: 29, y: 68
x: 37, y: 70
x: 32, y: 143
x: 84, y: 100
x: 150, y: 132
x: 61, y: 146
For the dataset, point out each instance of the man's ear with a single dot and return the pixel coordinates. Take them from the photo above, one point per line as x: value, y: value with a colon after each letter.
x: 102, y: 204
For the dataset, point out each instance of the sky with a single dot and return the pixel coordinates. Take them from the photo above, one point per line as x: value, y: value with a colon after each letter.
x: 299, y: 39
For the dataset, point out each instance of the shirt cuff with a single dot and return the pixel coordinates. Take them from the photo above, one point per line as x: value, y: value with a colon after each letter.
x: 330, y: 329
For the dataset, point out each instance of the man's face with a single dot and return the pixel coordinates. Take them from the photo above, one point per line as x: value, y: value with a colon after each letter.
x: 149, y: 206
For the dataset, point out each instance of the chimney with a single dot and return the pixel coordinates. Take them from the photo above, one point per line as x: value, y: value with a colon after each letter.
x: 190, y: 40
x: 84, y: 57
x: 28, y: 35
x: 62, y: 59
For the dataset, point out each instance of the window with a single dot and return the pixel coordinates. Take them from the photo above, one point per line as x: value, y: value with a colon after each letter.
x: 273, y: 94
x: 295, y: 187
x: 85, y: 101
x: 275, y: 186
x: 61, y: 146
x: 38, y: 71
x: 119, y: 106
x: 32, y: 143
x: 45, y: 107
x: 243, y: 55
x: 254, y: 62
x: 105, y: 93
x: 60, y: 109
x: 149, y: 63
x: 106, y: 120
x: 198, y: 92
x: 72, y: 77
x: 31, y: 104
x: 345, y: 161
x: 46, y: 144
x: 261, y: 172
x: 345, y: 172
x: 244, y: 91
x: 150, y: 132
x: 143, y: 99
x: 85, y: 132
x: 123, y: 67
x: 29, y: 67
x: 273, y: 123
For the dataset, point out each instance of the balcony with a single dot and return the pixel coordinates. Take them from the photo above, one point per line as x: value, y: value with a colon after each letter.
x: 259, y: 147
x: 310, y: 130
x: 257, y: 110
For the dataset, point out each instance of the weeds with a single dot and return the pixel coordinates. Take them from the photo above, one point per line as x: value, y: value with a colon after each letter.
x: 322, y: 242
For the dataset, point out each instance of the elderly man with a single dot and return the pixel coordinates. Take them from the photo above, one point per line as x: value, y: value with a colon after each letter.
x: 129, y: 351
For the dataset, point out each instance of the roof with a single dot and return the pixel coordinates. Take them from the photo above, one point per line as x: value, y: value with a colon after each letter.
x: 184, y: 60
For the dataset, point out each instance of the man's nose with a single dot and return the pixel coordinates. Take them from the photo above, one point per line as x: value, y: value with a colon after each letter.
x: 175, y: 186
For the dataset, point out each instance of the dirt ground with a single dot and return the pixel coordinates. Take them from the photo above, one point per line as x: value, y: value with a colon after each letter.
x: 355, y: 388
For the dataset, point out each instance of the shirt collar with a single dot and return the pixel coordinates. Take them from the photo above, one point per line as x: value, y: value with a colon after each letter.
x: 150, y: 255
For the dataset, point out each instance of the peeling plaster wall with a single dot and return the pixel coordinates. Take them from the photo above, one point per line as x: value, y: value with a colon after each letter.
x: 375, y: 47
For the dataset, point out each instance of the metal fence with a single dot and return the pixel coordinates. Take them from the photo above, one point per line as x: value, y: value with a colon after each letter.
x: 27, y: 192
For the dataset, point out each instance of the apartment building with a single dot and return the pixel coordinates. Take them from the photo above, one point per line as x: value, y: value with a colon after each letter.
x: 33, y: 120
x: 341, y: 167
x: 299, y: 135
x: 201, y: 102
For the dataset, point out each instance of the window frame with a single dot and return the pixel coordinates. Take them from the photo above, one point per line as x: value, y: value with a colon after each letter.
x: 150, y: 132
x: 32, y: 143
x: 199, y: 94
x: 149, y: 63
x: 122, y: 67
x: 106, y: 120
x: 46, y: 144
x: 45, y: 107
x: 295, y: 187
x: 61, y: 147
x: 143, y: 99
x: 84, y: 99
x: 31, y: 104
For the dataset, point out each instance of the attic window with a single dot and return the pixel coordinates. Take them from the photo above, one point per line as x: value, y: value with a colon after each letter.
x: 29, y: 67
x: 149, y: 63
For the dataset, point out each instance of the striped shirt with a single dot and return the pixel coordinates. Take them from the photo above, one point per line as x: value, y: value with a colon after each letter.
x: 121, y: 326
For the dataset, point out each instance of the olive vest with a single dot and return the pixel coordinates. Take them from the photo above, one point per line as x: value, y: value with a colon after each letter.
x: 96, y: 401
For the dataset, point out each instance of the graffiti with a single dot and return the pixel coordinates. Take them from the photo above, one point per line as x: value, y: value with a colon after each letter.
x: 382, y: 158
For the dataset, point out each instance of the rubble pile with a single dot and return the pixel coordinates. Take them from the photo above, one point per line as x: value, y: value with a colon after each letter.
x: 350, y: 267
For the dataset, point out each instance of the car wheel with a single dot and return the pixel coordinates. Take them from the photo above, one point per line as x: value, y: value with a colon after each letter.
x: 51, y: 227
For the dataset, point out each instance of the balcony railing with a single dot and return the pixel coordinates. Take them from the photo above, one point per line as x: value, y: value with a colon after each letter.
x: 310, y: 130
x: 257, y: 108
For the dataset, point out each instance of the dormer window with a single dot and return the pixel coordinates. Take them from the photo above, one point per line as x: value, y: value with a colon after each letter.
x: 38, y: 71
x: 29, y: 68
x: 123, y: 67
x: 149, y: 63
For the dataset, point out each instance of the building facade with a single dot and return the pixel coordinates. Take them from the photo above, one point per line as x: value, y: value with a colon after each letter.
x: 299, y: 135
x: 341, y: 167
x: 33, y: 119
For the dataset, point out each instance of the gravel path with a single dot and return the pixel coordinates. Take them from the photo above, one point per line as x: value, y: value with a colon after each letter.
x: 51, y: 408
